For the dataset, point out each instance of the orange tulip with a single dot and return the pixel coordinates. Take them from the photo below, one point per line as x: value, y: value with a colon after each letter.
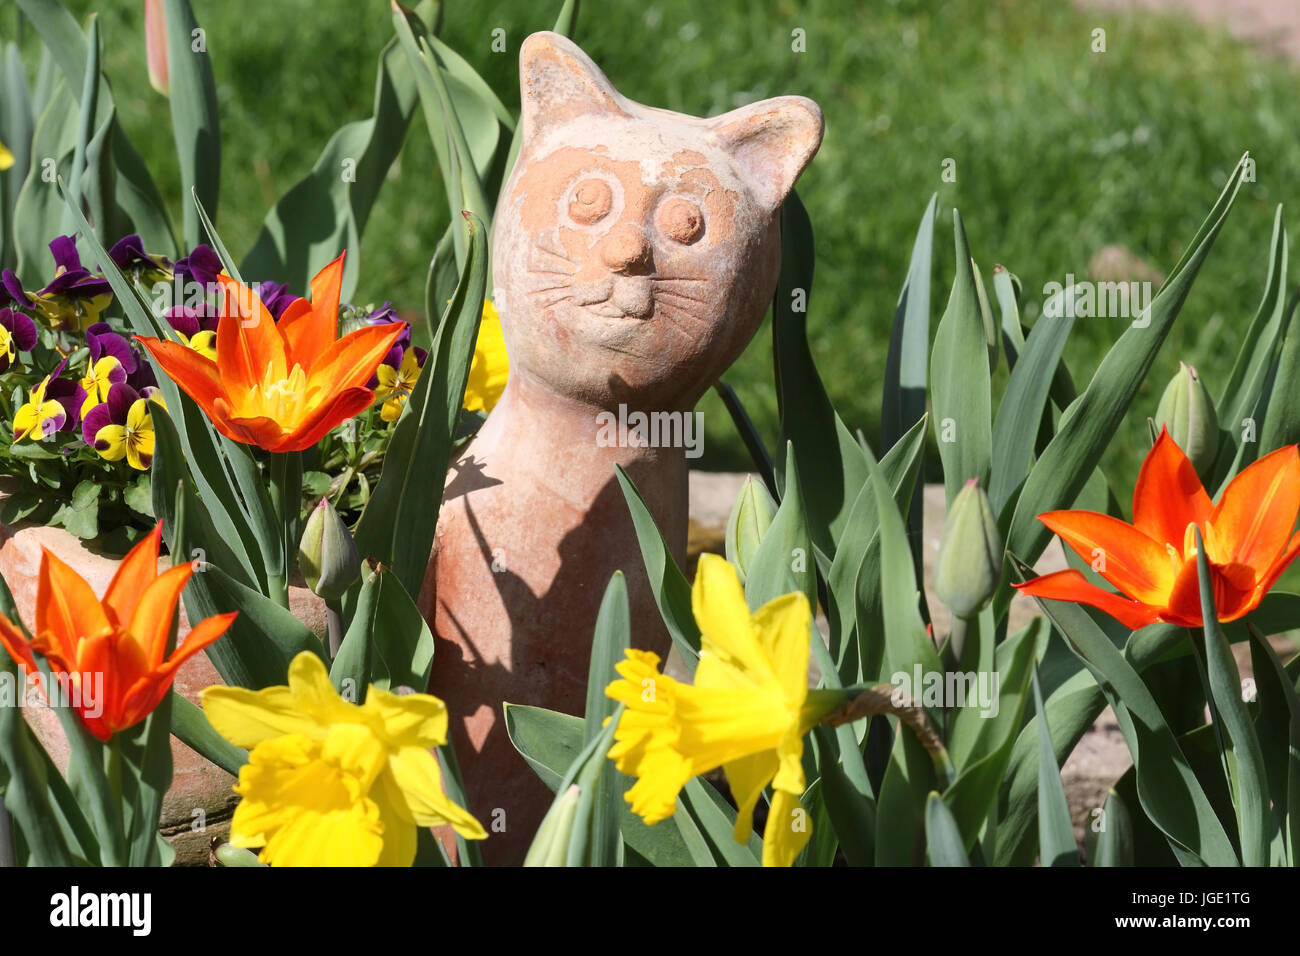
x: 1247, y: 536
x: 280, y: 386
x: 117, y: 643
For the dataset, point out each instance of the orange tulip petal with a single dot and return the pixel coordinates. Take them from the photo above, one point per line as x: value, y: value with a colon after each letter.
x: 309, y: 431
x: 1135, y: 564
x: 260, y: 431
x: 67, y: 611
x: 1071, y: 585
x: 247, y: 339
x: 152, y: 621
x: 1271, y: 574
x: 353, y: 359
x: 1235, y: 594
x: 194, y: 374
x: 206, y: 632
x: 1168, y: 496
x: 146, y: 694
x: 137, y: 571
x: 96, y: 658
x: 310, y: 332
x: 15, y: 644
x: 143, y: 697
x: 1253, y: 519
x: 291, y: 314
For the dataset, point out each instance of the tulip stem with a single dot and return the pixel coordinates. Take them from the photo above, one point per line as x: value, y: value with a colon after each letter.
x: 113, y: 774
x: 6, y: 839
x: 286, y: 490
x: 334, y: 620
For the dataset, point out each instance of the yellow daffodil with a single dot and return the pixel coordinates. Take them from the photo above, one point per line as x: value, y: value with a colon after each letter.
x: 6, y: 158
x: 491, y: 367
x: 745, y: 712
x: 330, y: 783
x: 395, y: 384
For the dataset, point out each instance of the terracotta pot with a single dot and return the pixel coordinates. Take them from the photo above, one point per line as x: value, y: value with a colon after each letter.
x: 200, y: 801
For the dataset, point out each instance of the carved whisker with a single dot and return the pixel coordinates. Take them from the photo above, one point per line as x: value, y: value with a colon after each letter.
x: 676, y: 315
x: 681, y: 295
x: 550, y: 304
x: 556, y: 250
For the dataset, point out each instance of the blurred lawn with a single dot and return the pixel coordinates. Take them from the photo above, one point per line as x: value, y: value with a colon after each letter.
x: 1059, y: 151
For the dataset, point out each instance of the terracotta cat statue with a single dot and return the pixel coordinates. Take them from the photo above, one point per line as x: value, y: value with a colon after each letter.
x: 635, y: 252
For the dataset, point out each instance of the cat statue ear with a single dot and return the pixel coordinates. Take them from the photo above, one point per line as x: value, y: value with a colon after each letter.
x: 558, y: 82
x: 772, y: 140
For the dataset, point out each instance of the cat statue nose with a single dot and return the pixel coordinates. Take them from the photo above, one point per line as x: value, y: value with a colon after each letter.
x: 626, y: 250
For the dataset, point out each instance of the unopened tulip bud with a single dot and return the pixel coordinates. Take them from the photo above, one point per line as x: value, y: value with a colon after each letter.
x: 751, y: 516
x: 969, y: 565
x: 1187, y: 410
x: 551, y: 844
x: 327, y: 555
x: 229, y: 855
x: 155, y: 44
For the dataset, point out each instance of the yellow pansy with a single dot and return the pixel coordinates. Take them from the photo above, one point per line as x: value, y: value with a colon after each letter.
x: 491, y: 367
x: 744, y: 713
x: 99, y: 378
x: 203, y: 342
x: 132, y: 438
x: 395, y: 384
x: 46, y: 409
x: 330, y: 783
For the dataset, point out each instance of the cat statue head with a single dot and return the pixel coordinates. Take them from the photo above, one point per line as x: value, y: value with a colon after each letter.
x: 636, y: 249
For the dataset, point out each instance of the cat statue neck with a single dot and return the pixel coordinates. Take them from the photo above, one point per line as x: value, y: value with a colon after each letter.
x: 635, y: 252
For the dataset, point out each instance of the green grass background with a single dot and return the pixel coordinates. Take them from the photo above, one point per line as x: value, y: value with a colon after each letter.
x: 1059, y: 150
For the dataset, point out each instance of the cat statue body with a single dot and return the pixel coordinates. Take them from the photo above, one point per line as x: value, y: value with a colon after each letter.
x: 635, y: 253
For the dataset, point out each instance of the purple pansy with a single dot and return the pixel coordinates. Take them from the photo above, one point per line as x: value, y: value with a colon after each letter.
x: 128, y: 255
x: 11, y: 290
x: 70, y: 277
x: 110, y: 412
x: 143, y: 379
x: 103, y: 341
x: 17, y: 334
x: 73, y: 298
x: 276, y: 297
x: 202, y: 265
x: 189, y: 322
x: 384, y: 314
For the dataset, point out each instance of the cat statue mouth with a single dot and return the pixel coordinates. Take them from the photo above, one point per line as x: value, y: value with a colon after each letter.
x: 624, y: 297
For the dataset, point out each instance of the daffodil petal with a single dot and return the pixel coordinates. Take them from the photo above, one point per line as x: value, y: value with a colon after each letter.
x: 415, y: 772
x: 747, y: 777
x: 718, y: 603
x: 248, y: 717
x: 413, y: 720
x: 789, y: 827
x: 784, y: 627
